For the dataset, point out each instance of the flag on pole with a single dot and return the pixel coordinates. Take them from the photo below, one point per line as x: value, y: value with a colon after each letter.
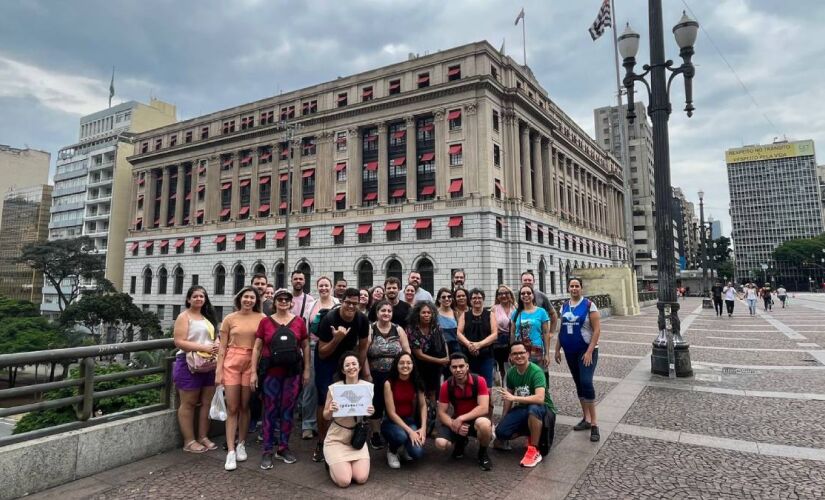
x: 501, y: 50
x: 603, y: 20
x: 112, y: 87
x: 519, y: 17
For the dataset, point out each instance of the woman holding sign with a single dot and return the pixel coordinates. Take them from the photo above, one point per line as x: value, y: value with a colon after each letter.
x: 347, y: 463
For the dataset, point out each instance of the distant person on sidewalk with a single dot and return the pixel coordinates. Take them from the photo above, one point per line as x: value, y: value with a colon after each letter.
x: 750, y: 298
x: 782, y: 294
x: 765, y: 293
x: 730, y: 296
x: 716, y: 294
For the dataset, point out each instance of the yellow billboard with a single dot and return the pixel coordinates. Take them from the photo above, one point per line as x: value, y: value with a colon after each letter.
x: 770, y: 151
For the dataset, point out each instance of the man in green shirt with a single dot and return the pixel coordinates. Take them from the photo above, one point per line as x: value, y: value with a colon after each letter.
x: 526, y: 401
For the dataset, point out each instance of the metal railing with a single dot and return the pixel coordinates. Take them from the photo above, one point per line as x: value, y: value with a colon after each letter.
x: 601, y: 301
x: 648, y: 296
x: 86, y: 394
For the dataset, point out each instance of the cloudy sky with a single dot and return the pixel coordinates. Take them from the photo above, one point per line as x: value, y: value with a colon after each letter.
x: 56, y: 60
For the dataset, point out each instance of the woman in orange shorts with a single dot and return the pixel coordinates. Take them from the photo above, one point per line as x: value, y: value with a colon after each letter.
x: 235, y: 369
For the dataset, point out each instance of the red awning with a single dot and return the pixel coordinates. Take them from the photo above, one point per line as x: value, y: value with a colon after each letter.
x: 157, y: 222
x: 398, y: 193
x: 148, y: 244
x: 373, y: 165
x: 308, y: 173
x: 455, y: 186
x: 392, y: 225
x: 398, y: 161
x: 455, y: 149
x: 500, y: 221
x: 364, y: 228
x: 342, y: 97
x: 164, y: 243
x: 427, y: 127
x: 337, y: 230
x: 188, y: 196
x: 395, y: 85
x: 280, y: 234
x: 371, y: 196
x: 243, y: 210
x: 180, y: 243
x: 173, y: 196
x: 199, y: 213
x: 245, y: 183
x: 171, y: 221
x: 264, y: 180
x: 141, y: 181
x: 399, y: 134
x: 282, y: 206
x: 266, y: 156
x: 283, y: 177
x: 422, y: 223
x: 224, y: 212
x: 342, y: 139
x: 138, y: 220
x: 423, y: 78
x: 308, y: 202
x: 133, y: 245
x: 427, y: 157
x: 303, y: 232
x: 227, y: 162
x: 340, y: 166
x: 201, y: 188
x: 455, y: 221
x: 454, y: 115
x: 240, y: 237
x: 220, y: 239
x: 263, y: 208
x: 371, y: 138
x: 428, y: 190
x: 246, y: 159
x: 201, y: 170
x: 454, y: 71
x: 500, y: 187
x: 226, y: 185
x: 340, y: 196
x: 260, y: 235
x: 195, y: 242
x: 367, y: 92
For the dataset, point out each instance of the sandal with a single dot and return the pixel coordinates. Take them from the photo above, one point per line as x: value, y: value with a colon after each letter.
x: 191, y: 449
x: 208, y: 443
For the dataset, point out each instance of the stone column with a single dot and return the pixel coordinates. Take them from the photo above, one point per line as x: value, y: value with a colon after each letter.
x: 539, y: 171
x: 275, y: 183
x: 355, y: 169
x: 511, y: 156
x: 324, y: 172
x: 526, y: 177
x: 133, y: 198
x: 180, y: 196
x: 442, y: 159
x: 383, y: 165
x: 164, y: 199
x: 412, y: 159
x: 236, y: 188
x: 212, y: 196
x: 474, y: 171
x: 255, y: 187
x: 549, y: 181
x: 296, y: 152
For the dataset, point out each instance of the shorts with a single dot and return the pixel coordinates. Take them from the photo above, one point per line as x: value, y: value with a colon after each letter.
x: 445, y: 432
x: 237, y: 366
x: 188, y: 381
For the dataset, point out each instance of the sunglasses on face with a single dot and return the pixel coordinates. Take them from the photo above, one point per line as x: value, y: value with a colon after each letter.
x: 526, y: 293
x: 283, y: 299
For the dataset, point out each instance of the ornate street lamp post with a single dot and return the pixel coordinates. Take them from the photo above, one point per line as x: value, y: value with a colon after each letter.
x: 671, y: 354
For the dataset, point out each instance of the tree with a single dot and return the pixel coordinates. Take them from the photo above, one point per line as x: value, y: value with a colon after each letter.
x: 801, y: 252
x: 65, y: 263
x: 116, y: 313
x: 22, y: 329
x: 720, y: 251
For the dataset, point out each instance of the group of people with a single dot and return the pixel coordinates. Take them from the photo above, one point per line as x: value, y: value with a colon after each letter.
x: 434, y: 364
x: 751, y: 293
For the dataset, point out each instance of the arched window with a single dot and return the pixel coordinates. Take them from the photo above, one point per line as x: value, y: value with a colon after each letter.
x: 163, y: 277
x: 394, y: 269
x: 258, y: 269
x: 147, y: 281
x: 542, y: 272
x: 304, y: 268
x: 178, y: 281
x: 425, y: 268
x: 239, y: 279
x: 279, y: 275
x: 220, y: 280
x: 365, y: 272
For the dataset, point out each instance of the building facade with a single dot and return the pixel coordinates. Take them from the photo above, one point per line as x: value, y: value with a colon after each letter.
x: 820, y: 174
x: 22, y: 167
x: 25, y: 220
x: 452, y: 160
x: 92, y: 183
x: 775, y: 197
x: 608, y: 122
x: 687, y: 231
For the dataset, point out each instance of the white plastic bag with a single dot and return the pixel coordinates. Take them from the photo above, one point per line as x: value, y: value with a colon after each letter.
x: 217, y: 411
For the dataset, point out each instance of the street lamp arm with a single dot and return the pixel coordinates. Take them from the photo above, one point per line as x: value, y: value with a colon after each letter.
x: 629, y: 82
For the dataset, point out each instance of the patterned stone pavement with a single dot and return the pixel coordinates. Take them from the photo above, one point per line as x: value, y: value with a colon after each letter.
x: 748, y: 424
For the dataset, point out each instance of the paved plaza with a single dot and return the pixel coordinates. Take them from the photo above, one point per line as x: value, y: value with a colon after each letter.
x: 749, y: 424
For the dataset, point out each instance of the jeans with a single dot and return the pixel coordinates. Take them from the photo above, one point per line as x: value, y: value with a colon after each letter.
x: 308, y: 400
x: 583, y: 375
x: 515, y: 422
x: 717, y: 305
x: 378, y: 379
x: 752, y: 306
x: 729, y: 305
x: 396, y: 436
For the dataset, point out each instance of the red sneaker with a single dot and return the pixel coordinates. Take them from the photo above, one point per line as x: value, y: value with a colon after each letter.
x: 532, y: 457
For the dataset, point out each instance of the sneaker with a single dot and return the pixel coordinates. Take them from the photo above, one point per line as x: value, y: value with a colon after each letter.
x: 594, y: 433
x: 231, y: 463
x: 307, y: 434
x: 532, y: 457
x: 318, y: 454
x: 458, y: 449
x: 392, y: 460
x: 376, y: 441
x: 403, y: 455
x: 502, y: 445
x: 266, y: 461
x: 286, y: 456
x: 584, y: 424
x: 484, y: 460
x: 240, y: 451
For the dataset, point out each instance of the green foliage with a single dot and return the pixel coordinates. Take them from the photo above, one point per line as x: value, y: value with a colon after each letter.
x: 114, y: 310
x: 22, y: 329
x: 47, y: 418
x: 801, y: 252
x: 720, y: 250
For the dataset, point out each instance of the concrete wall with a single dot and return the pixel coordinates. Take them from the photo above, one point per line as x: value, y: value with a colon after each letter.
x: 44, y: 463
x: 618, y: 282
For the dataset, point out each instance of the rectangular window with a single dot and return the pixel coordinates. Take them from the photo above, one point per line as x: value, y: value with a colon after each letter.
x: 337, y: 276
x: 150, y: 250
x: 179, y: 246
x: 264, y: 155
x: 247, y: 122
x: 228, y: 126
x: 173, y: 140
x: 496, y: 155
x: 393, y: 230
x: 395, y: 87
x: 260, y: 240
x: 204, y: 133
x: 187, y: 138
x: 341, y: 141
x: 164, y: 246
x: 495, y: 120
x: 342, y: 99
x: 370, y: 141
x: 540, y: 236
x: 423, y: 80
x: 494, y: 73
x: 528, y: 233
x: 220, y: 244
x: 456, y: 188
x: 132, y: 284
x: 240, y: 241
x: 309, y: 107
x: 308, y: 144
x: 195, y: 279
x: 175, y: 311
x: 423, y: 229
x: 144, y: 148
x: 456, y: 225
x: 338, y: 235
x: 280, y: 239
x: 287, y: 112
x: 364, y: 233
x: 499, y: 228
x: 161, y: 312
x: 304, y: 237
x: 341, y: 171
x: 366, y: 94
x: 456, y: 155
x: 267, y: 117
x: 454, y: 119
x: 341, y: 201
x: 454, y: 73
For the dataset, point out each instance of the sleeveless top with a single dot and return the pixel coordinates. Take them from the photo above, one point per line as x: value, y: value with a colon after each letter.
x: 200, y: 331
x: 448, y: 326
x: 573, y: 335
x: 477, y: 328
x: 503, y: 324
x: 383, y: 349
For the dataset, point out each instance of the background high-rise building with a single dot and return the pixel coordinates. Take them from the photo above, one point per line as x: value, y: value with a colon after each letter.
x: 22, y: 167
x: 820, y: 173
x: 25, y: 220
x: 775, y: 197
x: 608, y: 121
x: 715, y: 228
x: 684, y: 218
x: 92, y: 183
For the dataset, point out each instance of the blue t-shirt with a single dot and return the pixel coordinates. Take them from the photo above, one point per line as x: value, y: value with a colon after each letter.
x: 448, y: 326
x: 528, y: 327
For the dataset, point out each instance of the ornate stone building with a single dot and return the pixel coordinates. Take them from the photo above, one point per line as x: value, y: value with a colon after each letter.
x: 457, y: 159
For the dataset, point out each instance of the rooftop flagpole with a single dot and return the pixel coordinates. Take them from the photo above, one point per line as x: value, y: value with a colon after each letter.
x: 520, y: 17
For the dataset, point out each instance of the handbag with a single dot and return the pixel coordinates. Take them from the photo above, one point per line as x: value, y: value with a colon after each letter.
x: 359, y: 434
x: 199, y: 362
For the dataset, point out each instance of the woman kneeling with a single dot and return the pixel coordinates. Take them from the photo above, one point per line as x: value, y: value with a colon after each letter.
x: 403, y: 395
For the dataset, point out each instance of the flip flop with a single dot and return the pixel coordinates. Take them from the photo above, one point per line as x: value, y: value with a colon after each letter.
x: 188, y: 447
x: 208, y: 443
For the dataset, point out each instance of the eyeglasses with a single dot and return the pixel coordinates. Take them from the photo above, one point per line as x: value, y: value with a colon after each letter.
x: 503, y: 294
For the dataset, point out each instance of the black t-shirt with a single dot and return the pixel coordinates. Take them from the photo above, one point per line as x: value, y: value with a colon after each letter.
x: 400, y: 312
x: 717, y: 292
x: 359, y: 329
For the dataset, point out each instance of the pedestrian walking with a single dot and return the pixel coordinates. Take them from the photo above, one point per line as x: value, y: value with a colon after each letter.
x: 750, y: 298
x: 730, y: 296
x: 765, y: 293
x: 782, y: 294
x: 716, y: 293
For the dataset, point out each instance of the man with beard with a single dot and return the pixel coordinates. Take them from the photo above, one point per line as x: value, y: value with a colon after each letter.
x: 400, y: 309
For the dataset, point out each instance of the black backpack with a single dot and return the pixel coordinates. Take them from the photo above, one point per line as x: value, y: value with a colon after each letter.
x: 451, y: 385
x: 283, y: 347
